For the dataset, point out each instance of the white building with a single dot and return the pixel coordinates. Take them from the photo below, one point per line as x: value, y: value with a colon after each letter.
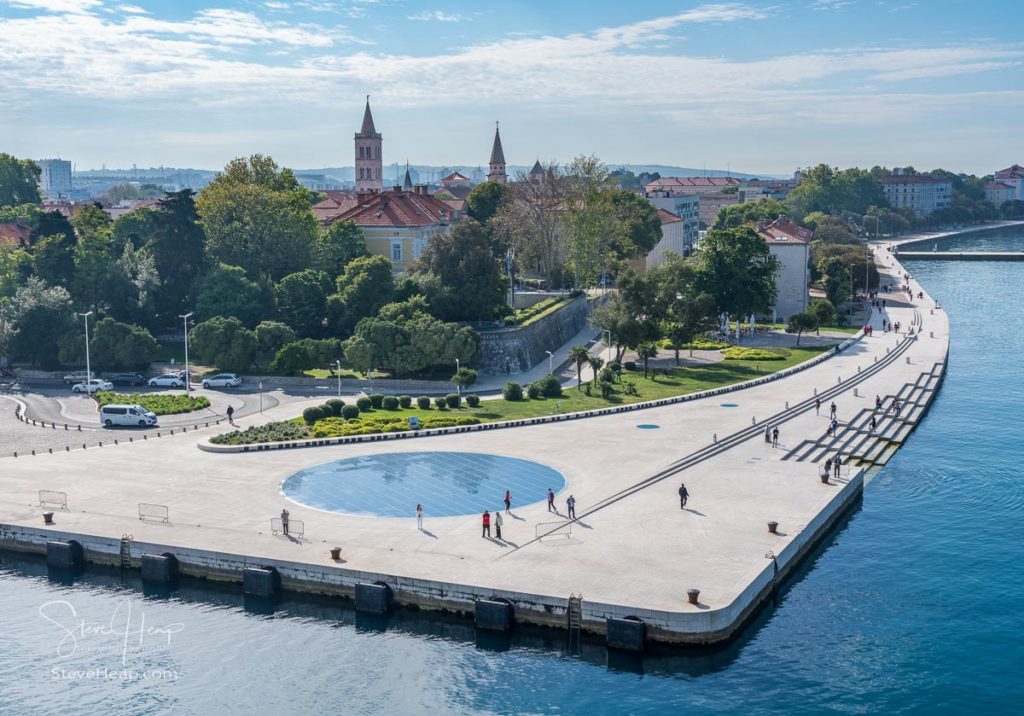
x: 999, y: 193
x: 55, y: 178
x: 679, y: 225
x: 791, y: 245
x: 921, y: 193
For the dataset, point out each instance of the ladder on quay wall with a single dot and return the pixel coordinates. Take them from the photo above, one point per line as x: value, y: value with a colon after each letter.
x: 126, y: 551
x: 575, y: 616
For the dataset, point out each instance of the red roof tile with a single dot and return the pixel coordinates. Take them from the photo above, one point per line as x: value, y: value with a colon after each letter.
x: 399, y: 209
x: 667, y: 217
x: 784, y: 231
x: 14, y: 233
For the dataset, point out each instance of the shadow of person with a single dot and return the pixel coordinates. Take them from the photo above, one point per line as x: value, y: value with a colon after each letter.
x: 582, y: 524
x: 696, y: 512
x: 510, y: 543
x: 428, y: 533
x: 514, y: 516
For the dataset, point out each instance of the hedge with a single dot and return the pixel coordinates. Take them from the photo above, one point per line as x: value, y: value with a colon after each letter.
x: 269, y: 433
x: 156, y: 402
x: 758, y: 354
x: 512, y: 391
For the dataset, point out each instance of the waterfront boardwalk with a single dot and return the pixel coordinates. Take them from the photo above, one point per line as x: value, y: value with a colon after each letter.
x: 962, y: 255
x: 637, y: 554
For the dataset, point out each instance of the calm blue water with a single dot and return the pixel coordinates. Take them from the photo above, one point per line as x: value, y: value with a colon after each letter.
x: 445, y: 483
x: 1005, y: 239
x: 915, y: 605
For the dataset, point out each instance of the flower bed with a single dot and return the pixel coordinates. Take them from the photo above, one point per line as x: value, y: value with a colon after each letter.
x: 339, y: 427
x: 158, y: 403
x: 758, y: 354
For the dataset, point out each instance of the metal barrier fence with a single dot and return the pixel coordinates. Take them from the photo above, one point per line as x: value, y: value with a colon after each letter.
x: 148, y: 510
x: 295, y: 527
x: 52, y: 498
x: 545, y: 529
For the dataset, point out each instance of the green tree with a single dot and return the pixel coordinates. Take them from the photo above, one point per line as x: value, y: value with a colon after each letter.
x: 121, y: 346
x: 336, y: 246
x: 19, y: 181
x: 833, y: 191
x: 131, y: 282
x: 579, y: 355
x: 90, y: 220
x: 464, y: 377
x: 645, y: 351
x: 53, y: 258
x: 366, y: 284
x: 799, y: 323
x: 258, y: 217
x: 94, y: 261
x: 823, y: 311
x: 730, y: 217
x: 473, y: 285
x: 135, y: 227
x: 225, y: 343
x: 15, y: 267
x: 38, y: 316
x: 177, y: 244
x: 302, y: 301
x: 485, y: 199
x: 225, y: 291
x: 736, y: 268
x: 271, y: 336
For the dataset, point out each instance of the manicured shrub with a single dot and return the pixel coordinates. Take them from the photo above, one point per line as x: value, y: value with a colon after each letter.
x: 512, y: 391
x: 328, y: 410
x: 311, y: 415
x: 423, y: 402
x: 268, y: 433
x: 453, y: 400
x: 615, y: 366
x: 364, y: 404
x: 390, y: 402
x: 473, y: 401
x: 758, y: 354
x: 405, y: 401
x: 350, y: 412
x: 533, y: 391
x: 159, y: 403
x: 335, y: 404
x: 440, y: 402
x: 376, y: 400
x: 607, y: 375
x: 549, y: 387
x: 629, y: 365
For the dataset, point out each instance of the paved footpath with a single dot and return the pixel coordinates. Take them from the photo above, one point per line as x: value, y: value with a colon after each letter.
x: 640, y: 550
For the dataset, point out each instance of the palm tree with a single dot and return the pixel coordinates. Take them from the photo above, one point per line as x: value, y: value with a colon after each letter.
x: 580, y: 355
x: 646, y: 351
x: 595, y: 364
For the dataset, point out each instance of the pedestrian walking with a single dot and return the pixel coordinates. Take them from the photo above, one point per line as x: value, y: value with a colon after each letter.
x: 487, y: 524
x: 284, y: 522
x: 683, y: 495
x: 874, y: 423
x: 497, y: 524
x: 508, y: 502
x: 551, y: 501
x: 835, y: 427
x: 836, y: 464
x: 767, y: 434
x: 419, y: 516
x: 897, y: 407
x: 775, y: 437
x: 231, y: 415
x: 832, y: 411
x: 570, y: 505
x: 817, y: 406
x: 878, y: 402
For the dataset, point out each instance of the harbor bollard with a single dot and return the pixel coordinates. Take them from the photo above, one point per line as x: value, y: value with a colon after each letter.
x: 691, y: 595
x: 715, y: 436
x: 787, y: 405
x: 908, y: 360
x: 773, y: 527
x: 335, y: 553
x: 855, y: 393
x: 47, y: 518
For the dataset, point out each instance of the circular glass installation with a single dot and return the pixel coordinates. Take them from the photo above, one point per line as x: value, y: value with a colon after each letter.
x: 445, y: 483
x: 730, y: 405
x: 648, y: 426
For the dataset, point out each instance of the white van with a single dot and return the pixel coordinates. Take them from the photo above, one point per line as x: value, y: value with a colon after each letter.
x: 113, y: 414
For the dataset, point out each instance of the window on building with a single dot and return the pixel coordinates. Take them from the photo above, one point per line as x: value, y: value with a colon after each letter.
x: 396, y: 251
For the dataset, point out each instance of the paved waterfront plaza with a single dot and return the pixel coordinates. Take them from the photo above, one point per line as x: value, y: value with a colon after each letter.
x: 641, y: 550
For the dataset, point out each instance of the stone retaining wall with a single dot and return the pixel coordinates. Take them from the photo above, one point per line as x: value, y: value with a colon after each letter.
x: 516, y: 350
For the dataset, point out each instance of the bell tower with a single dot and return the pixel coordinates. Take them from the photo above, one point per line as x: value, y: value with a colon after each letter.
x: 497, y: 171
x: 369, y: 163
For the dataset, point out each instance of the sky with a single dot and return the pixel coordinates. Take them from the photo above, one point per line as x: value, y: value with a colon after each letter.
x: 761, y: 86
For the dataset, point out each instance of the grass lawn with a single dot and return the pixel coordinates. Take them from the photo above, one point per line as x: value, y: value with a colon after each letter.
x: 782, y: 326
x: 345, y: 373
x: 676, y: 381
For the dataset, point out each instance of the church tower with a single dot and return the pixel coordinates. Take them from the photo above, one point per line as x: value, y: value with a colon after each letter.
x: 497, y: 172
x: 369, y: 164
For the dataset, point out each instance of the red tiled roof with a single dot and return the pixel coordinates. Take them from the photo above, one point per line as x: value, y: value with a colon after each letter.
x: 14, y: 233
x: 455, y: 176
x: 914, y: 179
x: 1014, y: 172
x: 998, y: 185
x: 399, y: 209
x: 336, y: 202
x: 784, y: 231
x: 667, y: 217
x: 668, y: 182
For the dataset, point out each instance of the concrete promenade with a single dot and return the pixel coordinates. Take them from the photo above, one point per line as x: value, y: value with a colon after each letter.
x: 633, y: 551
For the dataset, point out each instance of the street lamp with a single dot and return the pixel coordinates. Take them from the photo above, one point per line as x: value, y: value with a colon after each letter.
x: 852, y: 266
x: 338, y: 363
x: 458, y: 386
x: 551, y: 362
x: 609, y: 334
x: 188, y: 376
x: 88, y: 369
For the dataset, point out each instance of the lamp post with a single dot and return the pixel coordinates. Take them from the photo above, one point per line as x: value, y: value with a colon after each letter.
x: 188, y: 376
x: 458, y: 385
x: 88, y: 369
x: 851, y: 293
x: 338, y: 363
x: 551, y: 362
x: 609, y: 334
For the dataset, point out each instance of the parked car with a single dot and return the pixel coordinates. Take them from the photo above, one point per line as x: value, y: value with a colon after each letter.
x: 127, y: 379
x: 222, y: 380
x: 77, y: 376
x: 91, y: 386
x: 167, y: 380
x: 113, y: 414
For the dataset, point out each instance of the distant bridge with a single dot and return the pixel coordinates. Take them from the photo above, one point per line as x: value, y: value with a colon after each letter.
x: 963, y: 255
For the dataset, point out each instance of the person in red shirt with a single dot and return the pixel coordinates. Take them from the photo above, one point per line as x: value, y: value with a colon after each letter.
x: 487, y: 524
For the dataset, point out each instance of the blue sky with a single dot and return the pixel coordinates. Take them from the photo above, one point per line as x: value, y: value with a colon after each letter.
x: 763, y: 87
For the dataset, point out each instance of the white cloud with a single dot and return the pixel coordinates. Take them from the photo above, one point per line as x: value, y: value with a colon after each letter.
x: 436, y: 15
x: 56, y: 6
x: 133, y: 9
x: 830, y: 4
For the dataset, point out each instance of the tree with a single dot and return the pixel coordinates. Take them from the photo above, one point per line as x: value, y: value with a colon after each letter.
x: 685, y: 312
x: 338, y: 245
x: 834, y: 191
x: 531, y: 223
x: 464, y: 377
x: 799, y: 323
x: 366, y: 284
x: 645, y: 351
x: 225, y: 291
x: 579, y: 356
x: 485, y: 199
x: 271, y: 336
x: 131, y: 282
x: 38, y: 316
x: 471, y: 280
x: 135, y: 227
x: 19, y: 181
x: 823, y: 311
x: 177, y: 244
x: 121, y: 346
x: 258, y: 217
x: 94, y: 260
x: 730, y: 217
x: 595, y: 366
x: 15, y: 267
x: 630, y: 315
x: 53, y: 258
x: 296, y: 356
x: 90, y: 220
x: 225, y: 343
x: 302, y: 301
x: 737, y: 269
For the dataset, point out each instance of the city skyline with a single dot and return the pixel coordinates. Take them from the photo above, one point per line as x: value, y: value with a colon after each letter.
x: 756, y: 87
